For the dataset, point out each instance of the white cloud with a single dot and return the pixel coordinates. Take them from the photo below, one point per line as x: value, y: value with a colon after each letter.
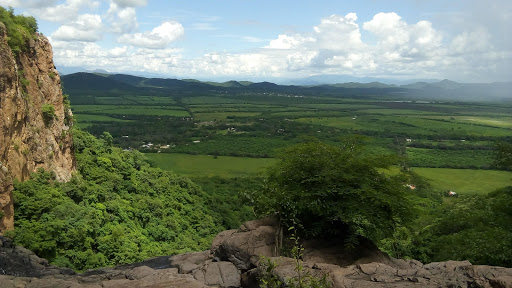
x: 334, y: 46
x: 338, y: 33
x: 92, y: 56
x: 118, y: 52
x: 130, y: 3
x: 289, y: 42
x: 47, y: 10
x: 160, y: 37
x: 122, y: 16
x: 86, y: 28
x: 122, y: 19
x: 404, y: 40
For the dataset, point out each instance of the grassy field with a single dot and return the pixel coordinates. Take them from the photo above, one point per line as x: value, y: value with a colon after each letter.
x: 208, y: 166
x: 466, y: 181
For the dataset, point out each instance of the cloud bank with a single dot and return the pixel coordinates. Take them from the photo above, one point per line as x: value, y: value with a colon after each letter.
x: 390, y: 47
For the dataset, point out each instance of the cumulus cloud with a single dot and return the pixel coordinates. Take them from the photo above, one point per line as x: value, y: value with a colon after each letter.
x: 289, y: 41
x: 334, y: 46
x: 86, y: 28
x: 122, y: 16
x: 90, y: 55
x: 160, y: 37
x: 122, y: 20
x: 405, y: 40
x: 47, y: 10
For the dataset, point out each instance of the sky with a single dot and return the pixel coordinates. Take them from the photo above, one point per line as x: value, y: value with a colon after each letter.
x: 466, y: 41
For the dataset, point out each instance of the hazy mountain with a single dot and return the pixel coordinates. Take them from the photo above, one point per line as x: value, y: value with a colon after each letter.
x: 339, y: 79
x: 442, y: 90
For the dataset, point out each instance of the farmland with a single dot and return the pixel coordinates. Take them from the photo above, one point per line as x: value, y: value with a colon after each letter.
x: 236, y: 134
x: 210, y: 166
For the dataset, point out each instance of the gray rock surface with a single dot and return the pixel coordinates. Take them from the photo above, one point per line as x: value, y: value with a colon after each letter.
x: 244, y: 247
x: 234, y: 261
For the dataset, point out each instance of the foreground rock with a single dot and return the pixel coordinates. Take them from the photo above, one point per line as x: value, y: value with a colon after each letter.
x: 234, y: 261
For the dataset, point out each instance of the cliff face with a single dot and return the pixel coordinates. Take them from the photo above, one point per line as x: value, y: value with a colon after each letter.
x: 30, y: 138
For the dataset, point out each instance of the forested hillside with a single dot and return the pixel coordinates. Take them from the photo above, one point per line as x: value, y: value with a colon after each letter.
x: 116, y: 209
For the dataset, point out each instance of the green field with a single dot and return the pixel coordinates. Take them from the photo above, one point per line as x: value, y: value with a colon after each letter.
x: 466, y: 181
x: 81, y: 118
x: 209, y: 166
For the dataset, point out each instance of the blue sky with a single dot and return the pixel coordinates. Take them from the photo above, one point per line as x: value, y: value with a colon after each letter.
x: 465, y: 41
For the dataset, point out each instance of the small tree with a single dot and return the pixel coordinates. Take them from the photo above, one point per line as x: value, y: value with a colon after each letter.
x: 330, y: 190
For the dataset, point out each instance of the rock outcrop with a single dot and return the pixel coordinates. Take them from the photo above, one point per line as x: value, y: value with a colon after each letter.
x: 231, y: 263
x: 29, y: 138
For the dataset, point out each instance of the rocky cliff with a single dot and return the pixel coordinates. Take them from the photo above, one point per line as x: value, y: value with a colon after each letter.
x: 34, y: 119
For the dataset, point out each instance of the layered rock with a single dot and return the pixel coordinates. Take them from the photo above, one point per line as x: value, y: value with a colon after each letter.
x: 232, y: 263
x: 29, y: 140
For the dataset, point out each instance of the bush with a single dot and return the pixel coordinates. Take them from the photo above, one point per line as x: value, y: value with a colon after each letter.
x: 20, y: 29
x: 48, y: 113
x: 329, y: 190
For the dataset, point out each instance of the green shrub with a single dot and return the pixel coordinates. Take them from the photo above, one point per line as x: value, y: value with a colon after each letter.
x: 20, y: 29
x: 48, y: 113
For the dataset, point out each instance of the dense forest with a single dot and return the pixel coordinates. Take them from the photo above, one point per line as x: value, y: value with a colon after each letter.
x: 116, y: 209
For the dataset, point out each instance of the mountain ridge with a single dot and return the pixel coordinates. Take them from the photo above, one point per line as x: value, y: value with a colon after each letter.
x: 442, y: 90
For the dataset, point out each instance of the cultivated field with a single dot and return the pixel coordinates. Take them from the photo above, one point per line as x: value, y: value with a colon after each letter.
x: 245, y: 131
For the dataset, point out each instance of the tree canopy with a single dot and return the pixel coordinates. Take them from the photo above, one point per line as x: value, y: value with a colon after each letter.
x: 330, y: 190
x: 115, y: 210
x: 503, y: 155
x: 476, y: 228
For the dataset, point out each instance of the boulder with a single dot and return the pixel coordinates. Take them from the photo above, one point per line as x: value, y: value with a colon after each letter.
x: 189, y: 262
x: 244, y: 247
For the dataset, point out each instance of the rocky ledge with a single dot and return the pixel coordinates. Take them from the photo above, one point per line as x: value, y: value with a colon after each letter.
x: 234, y: 261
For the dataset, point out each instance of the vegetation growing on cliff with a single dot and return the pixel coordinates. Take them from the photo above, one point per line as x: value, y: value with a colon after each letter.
x: 20, y: 29
x: 116, y: 209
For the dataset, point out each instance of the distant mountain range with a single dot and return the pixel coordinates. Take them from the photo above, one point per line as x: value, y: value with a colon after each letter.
x: 83, y: 83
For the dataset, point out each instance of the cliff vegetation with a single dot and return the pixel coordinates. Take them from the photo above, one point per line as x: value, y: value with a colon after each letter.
x: 116, y: 209
x: 21, y: 29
